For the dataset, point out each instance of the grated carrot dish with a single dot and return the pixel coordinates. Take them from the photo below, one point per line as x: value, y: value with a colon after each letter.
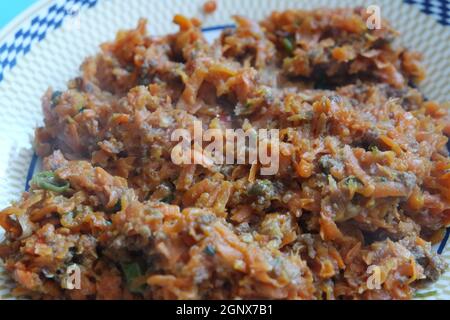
x: 363, y: 182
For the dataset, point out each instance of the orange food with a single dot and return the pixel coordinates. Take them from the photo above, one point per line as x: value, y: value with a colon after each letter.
x: 363, y: 180
x: 210, y: 6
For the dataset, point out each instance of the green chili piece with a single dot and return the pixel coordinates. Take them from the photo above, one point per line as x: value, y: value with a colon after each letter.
x: 56, y: 97
x: 352, y: 182
x: 288, y: 46
x: 209, y: 250
x: 374, y: 149
x: 132, y: 271
x: 425, y: 294
x: 47, y: 180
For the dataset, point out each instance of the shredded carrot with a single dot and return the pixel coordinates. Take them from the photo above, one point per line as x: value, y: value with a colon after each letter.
x: 362, y: 178
x: 210, y: 6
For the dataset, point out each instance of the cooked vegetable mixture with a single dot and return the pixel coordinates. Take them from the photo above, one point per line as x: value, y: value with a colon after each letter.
x: 364, y: 178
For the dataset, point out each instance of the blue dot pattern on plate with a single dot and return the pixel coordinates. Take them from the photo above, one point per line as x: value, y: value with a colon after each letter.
x: 440, y: 9
x: 37, y: 30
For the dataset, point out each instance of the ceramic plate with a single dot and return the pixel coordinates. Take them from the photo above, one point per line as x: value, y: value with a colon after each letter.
x: 45, y: 45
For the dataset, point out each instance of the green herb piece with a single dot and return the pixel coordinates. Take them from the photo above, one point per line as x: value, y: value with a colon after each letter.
x: 132, y: 271
x: 288, y: 46
x: 168, y: 188
x: 56, y: 97
x: 144, y: 80
x: 79, y: 106
x: 209, y: 250
x: 262, y: 188
x: 327, y: 162
x: 425, y: 294
x: 168, y: 199
x: 129, y: 68
x: 117, y: 207
x: 374, y: 149
x: 382, y: 179
x: 352, y: 182
x: 48, y: 181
